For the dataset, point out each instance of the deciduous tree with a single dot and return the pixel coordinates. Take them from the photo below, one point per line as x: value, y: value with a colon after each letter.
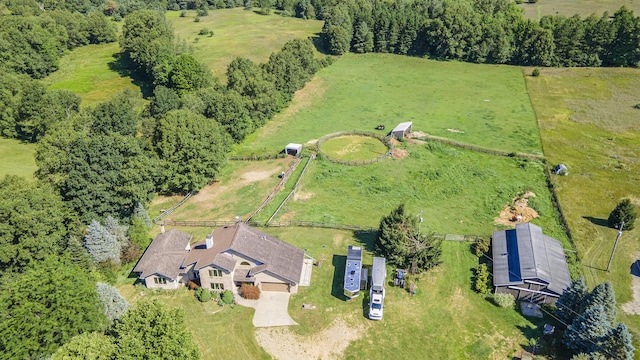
x: 88, y: 345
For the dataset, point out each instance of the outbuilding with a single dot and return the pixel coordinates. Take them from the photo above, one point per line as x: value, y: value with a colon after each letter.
x: 529, y: 264
x: 293, y: 149
x: 402, y: 130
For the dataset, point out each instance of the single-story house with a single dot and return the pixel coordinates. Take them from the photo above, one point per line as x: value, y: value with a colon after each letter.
x: 293, y: 149
x: 529, y: 264
x: 402, y: 130
x: 230, y: 256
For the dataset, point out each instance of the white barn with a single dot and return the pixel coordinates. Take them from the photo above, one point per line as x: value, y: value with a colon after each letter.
x: 402, y: 130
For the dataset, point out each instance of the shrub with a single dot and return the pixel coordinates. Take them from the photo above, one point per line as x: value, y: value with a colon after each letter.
x: 624, y: 211
x: 131, y: 254
x: 504, y: 300
x: 197, y: 19
x: 482, y: 279
x: 205, y: 31
x: 108, y: 269
x: 202, y: 12
x: 203, y: 295
x: 193, y: 286
x: 250, y: 292
x: 636, y: 106
x: 183, y: 13
x: 482, y: 246
x: 227, y: 297
x: 535, y: 72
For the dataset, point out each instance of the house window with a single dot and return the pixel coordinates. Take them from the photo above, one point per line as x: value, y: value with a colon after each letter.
x: 217, y: 286
x: 215, y: 273
x: 160, y: 281
x: 244, y: 263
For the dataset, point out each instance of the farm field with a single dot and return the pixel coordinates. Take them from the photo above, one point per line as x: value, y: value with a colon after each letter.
x: 17, y: 158
x: 582, y: 7
x: 484, y: 105
x: 92, y: 73
x: 587, y: 121
x: 239, y: 32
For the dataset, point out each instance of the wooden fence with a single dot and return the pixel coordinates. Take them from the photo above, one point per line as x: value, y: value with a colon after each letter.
x: 446, y: 141
x: 385, y: 140
x: 257, y: 157
x: 277, y: 188
x: 174, y: 207
x: 293, y: 191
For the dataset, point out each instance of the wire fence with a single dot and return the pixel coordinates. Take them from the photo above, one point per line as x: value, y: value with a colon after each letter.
x: 258, y: 157
x: 278, y: 187
x: 293, y: 191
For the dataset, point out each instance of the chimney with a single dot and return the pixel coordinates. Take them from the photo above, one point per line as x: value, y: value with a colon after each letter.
x: 162, y: 228
x: 209, y: 241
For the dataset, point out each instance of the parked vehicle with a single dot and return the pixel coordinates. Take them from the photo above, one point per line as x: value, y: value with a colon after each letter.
x: 377, y: 291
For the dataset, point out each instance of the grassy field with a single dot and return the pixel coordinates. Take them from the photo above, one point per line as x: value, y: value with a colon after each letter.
x: 485, y: 105
x: 17, y: 158
x: 587, y: 122
x: 91, y: 72
x: 353, y: 148
x: 571, y: 7
x: 459, y: 191
x: 239, y: 32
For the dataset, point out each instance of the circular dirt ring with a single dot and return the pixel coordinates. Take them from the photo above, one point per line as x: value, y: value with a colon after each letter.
x: 353, y: 148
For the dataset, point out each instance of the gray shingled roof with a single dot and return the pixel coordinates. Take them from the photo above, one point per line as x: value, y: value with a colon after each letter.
x: 281, y: 259
x: 272, y: 255
x: 164, y: 255
x: 525, y: 253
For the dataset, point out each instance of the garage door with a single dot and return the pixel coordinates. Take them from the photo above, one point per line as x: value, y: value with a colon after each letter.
x: 270, y: 286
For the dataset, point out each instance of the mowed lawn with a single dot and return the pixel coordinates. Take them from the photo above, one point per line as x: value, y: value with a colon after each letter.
x: 485, y: 105
x: 239, y: 32
x: 17, y: 158
x: 582, y: 7
x: 445, y: 320
x: 587, y: 121
x: 91, y: 72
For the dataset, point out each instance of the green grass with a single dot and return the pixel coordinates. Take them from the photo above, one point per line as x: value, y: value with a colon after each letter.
x: 571, y: 7
x: 239, y: 32
x: 17, y: 158
x: 586, y: 121
x: 445, y: 320
x: 353, y: 147
x: 459, y: 191
x: 214, y: 329
x: 91, y: 72
x: 485, y: 105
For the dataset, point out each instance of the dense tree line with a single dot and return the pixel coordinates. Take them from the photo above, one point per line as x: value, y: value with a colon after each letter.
x: 487, y: 31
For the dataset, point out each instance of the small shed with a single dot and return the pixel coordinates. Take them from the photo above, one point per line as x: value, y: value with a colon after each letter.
x: 402, y: 130
x: 293, y: 149
x: 561, y: 169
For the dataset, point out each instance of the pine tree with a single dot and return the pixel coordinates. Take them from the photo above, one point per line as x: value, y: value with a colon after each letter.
x: 78, y: 254
x: 604, y: 295
x: 618, y: 343
x: 587, y: 330
x: 141, y: 213
x: 624, y: 211
x: 114, y: 305
x: 119, y: 231
x: 572, y: 302
x: 101, y: 244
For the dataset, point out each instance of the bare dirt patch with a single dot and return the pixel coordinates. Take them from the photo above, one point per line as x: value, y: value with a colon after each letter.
x: 455, y: 131
x: 253, y: 176
x: 518, y: 212
x: 281, y: 343
x: 400, y: 153
x: 418, y: 134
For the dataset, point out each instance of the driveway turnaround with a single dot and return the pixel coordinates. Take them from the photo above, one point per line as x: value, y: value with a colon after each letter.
x: 271, y: 309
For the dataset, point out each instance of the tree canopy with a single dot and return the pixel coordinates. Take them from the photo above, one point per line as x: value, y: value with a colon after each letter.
x: 624, y: 211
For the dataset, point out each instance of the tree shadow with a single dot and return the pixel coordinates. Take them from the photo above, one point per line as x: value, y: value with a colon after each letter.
x: 597, y: 221
x: 337, y: 285
x: 367, y: 239
x: 319, y: 44
x: 122, y: 65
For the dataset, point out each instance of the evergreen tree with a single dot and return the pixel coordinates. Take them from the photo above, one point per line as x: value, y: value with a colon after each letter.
x: 603, y: 295
x: 101, y: 244
x: 618, y: 343
x: 624, y: 211
x: 587, y: 330
x: 398, y: 240
x: 114, y: 305
x: 141, y: 213
x: 362, y: 39
x: 52, y: 301
x: 78, y: 253
x: 119, y: 231
x: 572, y: 302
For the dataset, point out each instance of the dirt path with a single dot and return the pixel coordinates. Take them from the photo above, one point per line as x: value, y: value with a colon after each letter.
x: 281, y: 343
x: 633, y: 307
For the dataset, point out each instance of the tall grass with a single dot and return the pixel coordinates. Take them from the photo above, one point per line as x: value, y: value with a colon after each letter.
x: 484, y: 105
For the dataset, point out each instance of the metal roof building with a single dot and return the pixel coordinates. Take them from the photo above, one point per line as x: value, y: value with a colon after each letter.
x: 529, y: 264
x: 400, y: 131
